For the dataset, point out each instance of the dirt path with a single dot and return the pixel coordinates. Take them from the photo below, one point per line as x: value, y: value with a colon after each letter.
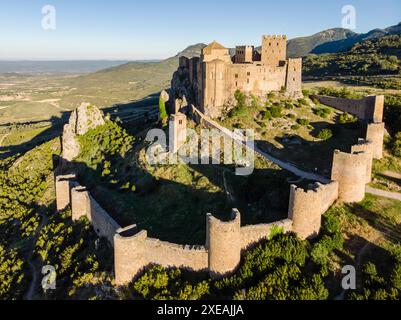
x: 383, y: 193
x: 33, y: 284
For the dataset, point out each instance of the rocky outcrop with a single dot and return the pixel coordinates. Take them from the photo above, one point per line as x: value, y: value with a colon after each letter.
x: 82, y: 119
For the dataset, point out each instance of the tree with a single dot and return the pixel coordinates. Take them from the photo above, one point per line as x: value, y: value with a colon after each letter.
x: 162, y: 111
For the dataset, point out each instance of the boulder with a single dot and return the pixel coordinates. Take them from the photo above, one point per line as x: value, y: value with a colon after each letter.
x: 81, y: 120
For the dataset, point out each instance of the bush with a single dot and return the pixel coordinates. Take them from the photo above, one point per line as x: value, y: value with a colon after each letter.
x: 325, y: 134
x: 303, y: 102
x: 267, y: 115
x: 240, y: 107
x: 347, y: 118
x: 303, y: 122
x: 276, y: 111
x: 397, y: 145
x: 322, y: 112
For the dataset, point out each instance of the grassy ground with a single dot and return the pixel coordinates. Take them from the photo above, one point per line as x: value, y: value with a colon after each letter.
x: 370, y: 229
x: 290, y: 138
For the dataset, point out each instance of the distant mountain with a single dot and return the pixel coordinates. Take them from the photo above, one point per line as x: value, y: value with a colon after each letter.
x: 346, y: 43
x: 191, y: 51
x: 299, y: 47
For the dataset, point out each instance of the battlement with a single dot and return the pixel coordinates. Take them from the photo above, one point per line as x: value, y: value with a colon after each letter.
x: 274, y: 37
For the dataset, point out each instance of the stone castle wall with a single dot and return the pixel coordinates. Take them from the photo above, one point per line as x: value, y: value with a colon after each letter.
x: 211, y: 80
x: 349, y: 169
x: 223, y: 241
x: 306, y: 207
x: 254, y: 233
x: 134, y: 250
x: 375, y: 134
x: 367, y: 147
x: 83, y: 204
x: 369, y: 108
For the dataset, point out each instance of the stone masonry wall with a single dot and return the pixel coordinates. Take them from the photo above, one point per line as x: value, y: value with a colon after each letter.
x: 254, y: 233
x: 133, y: 250
x: 349, y: 169
x: 102, y: 223
x: 223, y: 241
x: 369, y: 108
x: 367, y: 147
x: 375, y: 134
x: 306, y: 207
x: 63, y: 186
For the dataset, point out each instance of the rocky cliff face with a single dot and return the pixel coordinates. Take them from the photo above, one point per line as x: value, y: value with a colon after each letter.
x: 82, y: 119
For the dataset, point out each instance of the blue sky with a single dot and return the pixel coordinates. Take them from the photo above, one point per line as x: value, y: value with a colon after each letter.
x: 156, y: 29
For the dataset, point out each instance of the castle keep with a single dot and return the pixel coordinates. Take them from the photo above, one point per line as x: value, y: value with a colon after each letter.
x: 210, y: 81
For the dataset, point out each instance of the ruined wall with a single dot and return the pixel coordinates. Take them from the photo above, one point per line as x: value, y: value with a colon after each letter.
x: 367, y: 147
x: 255, y: 233
x: 306, y: 207
x: 369, y: 108
x: 223, y: 241
x: 375, y: 134
x: 63, y: 185
x: 349, y: 169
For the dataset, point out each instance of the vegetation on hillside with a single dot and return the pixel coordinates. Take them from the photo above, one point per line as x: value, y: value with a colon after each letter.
x: 371, y: 57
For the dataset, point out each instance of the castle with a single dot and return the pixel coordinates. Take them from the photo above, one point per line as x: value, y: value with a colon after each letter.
x: 225, y: 240
x: 210, y: 81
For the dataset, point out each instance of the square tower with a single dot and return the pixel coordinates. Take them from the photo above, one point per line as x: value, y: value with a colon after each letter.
x: 244, y: 54
x: 274, y: 50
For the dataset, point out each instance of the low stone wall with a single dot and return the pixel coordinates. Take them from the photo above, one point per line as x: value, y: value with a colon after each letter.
x: 254, y: 233
x: 369, y: 108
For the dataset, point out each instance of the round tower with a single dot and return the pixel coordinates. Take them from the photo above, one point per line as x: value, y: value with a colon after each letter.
x: 349, y: 169
x: 223, y: 241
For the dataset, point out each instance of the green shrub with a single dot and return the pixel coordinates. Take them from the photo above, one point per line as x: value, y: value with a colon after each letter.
x: 397, y: 145
x: 325, y: 134
x: 276, y: 111
x: 303, y: 102
x: 267, y: 115
x: 346, y: 118
x: 162, y: 111
x: 303, y: 122
x: 322, y: 112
